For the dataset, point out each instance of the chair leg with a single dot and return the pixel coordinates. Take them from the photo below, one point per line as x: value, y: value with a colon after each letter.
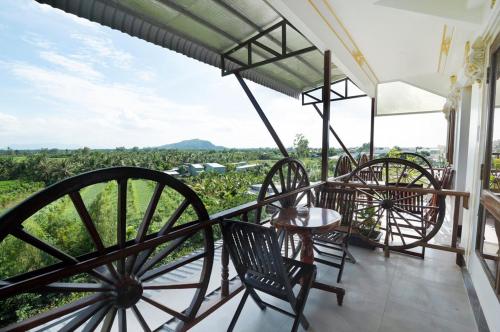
x: 341, y: 268
x: 350, y: 257
x: 300, y: 303
x: 257, y: 298
x: 238, y: 311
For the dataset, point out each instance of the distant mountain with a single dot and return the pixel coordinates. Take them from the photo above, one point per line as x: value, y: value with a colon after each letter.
x: 192, y: 144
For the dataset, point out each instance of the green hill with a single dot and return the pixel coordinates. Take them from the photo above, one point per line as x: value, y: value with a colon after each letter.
x: 192, y: 144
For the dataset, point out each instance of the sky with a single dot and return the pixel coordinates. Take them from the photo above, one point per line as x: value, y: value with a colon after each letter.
x: 66, y: 82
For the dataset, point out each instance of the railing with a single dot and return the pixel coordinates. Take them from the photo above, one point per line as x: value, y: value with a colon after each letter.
x: 490, y: 261
x: 229, y: 287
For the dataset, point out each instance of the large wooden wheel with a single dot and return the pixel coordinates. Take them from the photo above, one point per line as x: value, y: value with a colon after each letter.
x: 128, y: 281
x: 392, y: 217
x: 285, y: 176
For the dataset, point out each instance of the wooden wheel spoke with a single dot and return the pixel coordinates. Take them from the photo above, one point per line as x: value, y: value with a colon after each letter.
x: 82, y: 317
x: 397, y: 227
x: 415, y: 214
x: 415, y: 180
x: 376, y: 195
x: 122, y: 320
x: 409, y: 223
x: 407, y: 197
x: 273, y: 205
x: 55, y: 313
x: 146, y: 221
x: 289, y: 178
x: 68, y: 287
x: 96, y: 319
x: 166, y: 309
x: 300, y: 196
x: 273, y: 186
x: 148, y: 216
x: 373, y: 175
x: 402, y: 174
x: 365, y: 208
x: 372, y: 228
x: 174, y: 217
x: 171, y: 286
x: 54, y: 252
x: 162, y: 254
x: 140, y: 318
x: 151, y: 274
x: 282, y: 180
x: 109, y: 320
x: 121, y: 232
x: 82, y: 211
x: 44, y: 246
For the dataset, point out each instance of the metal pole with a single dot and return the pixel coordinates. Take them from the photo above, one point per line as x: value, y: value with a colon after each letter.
x: 337, y: 137
x: 327, y: 80
x: 263, y: 117
x: 372, y: 128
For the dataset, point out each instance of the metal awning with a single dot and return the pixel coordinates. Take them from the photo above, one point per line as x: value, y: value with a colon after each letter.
x: 205, y: 30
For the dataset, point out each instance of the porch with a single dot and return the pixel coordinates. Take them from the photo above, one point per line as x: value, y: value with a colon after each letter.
x: 400, y: 293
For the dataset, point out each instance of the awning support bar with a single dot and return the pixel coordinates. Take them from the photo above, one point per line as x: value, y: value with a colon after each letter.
x: 337, y: 137
x: 262, y: 115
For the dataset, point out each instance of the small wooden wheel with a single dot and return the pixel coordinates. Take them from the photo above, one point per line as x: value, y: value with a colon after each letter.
x: 343, y: 166
x: 391, y: 218
x: 128, y: 280
x: 286, y: 175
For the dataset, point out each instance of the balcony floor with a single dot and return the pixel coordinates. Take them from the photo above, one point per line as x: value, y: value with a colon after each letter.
x: 401, y: 293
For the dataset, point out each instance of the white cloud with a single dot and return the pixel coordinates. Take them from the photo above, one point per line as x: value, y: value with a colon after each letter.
x: 71, y: 65
x: 97, y: 48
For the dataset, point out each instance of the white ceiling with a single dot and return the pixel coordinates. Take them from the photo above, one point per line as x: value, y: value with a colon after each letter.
x: 400, y: 40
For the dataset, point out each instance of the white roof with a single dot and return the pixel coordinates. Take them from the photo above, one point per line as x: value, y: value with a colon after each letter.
x: 215, y: 165
x: 196, y: 165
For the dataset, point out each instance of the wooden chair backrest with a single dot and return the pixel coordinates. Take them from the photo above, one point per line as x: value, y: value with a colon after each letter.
x: 339, y: 199
x: 255, y: 251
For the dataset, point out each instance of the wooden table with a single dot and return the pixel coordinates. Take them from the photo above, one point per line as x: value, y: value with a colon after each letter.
x: 305, y: 222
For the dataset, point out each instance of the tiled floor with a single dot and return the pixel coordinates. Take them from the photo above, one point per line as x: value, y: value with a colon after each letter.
x: 400, y: 293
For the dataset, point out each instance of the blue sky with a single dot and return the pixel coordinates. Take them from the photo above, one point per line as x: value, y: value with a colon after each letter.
x: 68, y: 82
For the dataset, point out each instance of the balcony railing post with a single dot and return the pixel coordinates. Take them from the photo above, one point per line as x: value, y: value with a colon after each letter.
x: 224, y: 272
x: 454, y: 234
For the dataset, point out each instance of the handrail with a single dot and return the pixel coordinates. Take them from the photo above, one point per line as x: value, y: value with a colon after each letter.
x: 441, y: 192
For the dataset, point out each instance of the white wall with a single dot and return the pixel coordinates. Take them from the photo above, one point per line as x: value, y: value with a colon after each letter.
x: 475, y: 154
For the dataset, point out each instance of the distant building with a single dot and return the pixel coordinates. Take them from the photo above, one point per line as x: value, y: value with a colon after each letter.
x: 215, y: 167
x: 244, y: 168
x: 172, y: 172
x: 195, y: 169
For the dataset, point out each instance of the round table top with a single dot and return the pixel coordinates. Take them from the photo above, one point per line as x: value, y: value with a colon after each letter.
x: 307, y: 219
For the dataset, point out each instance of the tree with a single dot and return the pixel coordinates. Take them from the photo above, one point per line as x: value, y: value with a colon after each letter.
x: 301, y: 146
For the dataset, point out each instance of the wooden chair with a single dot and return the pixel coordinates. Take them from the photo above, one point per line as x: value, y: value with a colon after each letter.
x: 343, y: 201
x: 256, y: 255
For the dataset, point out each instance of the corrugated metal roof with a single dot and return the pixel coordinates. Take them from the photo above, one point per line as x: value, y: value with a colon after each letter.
x: 205, y: 29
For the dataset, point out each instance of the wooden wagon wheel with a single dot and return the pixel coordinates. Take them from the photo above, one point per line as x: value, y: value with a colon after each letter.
x: 417, y: 159
x: 363, y: 159
x: 391, y: 218
x: 286, y: 175
x: 127, y: 281
x: 343, y: 166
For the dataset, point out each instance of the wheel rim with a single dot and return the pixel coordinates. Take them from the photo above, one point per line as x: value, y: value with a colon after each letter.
x: 403, y: 219
x: 115, y: 292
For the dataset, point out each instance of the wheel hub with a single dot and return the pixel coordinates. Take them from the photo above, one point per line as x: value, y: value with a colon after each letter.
x: 128, y: 292
x: 387, y: 204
